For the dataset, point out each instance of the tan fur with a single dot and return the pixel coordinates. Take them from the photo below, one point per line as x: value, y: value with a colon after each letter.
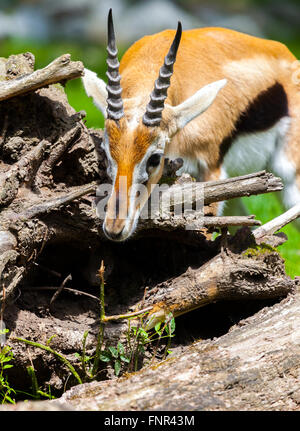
x: 127, y: 146
x: 250, y: 65
x: 206, y: 55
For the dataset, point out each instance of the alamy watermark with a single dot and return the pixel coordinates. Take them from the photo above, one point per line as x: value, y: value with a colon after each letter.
x: 160, y: 201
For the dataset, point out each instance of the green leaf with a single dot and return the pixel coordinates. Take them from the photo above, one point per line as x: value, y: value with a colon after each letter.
x: 143, y: 335
x: 134, y: 330
x: 121, y: 348
x: 114, y: 352
x: 141, y: 349
x: 50, y: 339
x: 170, y: 328
x: 4, y: 331
x: 117, y: 367
x: 105, y: 356
x: 124, y: 359
x: 7, y: 366
x: 7, y: 398
x: 172, y: 325
x: 157, y: 327
x: 5, y: 359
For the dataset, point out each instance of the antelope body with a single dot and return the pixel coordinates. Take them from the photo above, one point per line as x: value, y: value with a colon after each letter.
x: 227, y: 106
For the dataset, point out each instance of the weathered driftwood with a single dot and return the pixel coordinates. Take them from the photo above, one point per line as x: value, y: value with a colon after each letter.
x: 60, y: 70
x: 241, y: 272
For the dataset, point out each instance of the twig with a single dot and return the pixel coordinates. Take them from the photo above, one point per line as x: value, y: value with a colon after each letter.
x: 61, y: 69
x: 3, y: 303
x: 50, y: 271
x: 127, y: 315
x: 101, y: 323
x: 278, y: 222
x: 225, y: 221
x: 43, y: 175
x: 58, y: 291
x: 22, y: 171
x: 4, y: 129
x: 193, y: 223
x: 66, y: 289
x: 216, y: 191
x: 46, y: 206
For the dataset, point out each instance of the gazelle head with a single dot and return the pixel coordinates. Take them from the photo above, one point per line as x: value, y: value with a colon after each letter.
x: 135, y: 153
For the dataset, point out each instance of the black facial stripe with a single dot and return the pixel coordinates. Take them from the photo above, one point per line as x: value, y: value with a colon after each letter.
x: 117, y: 206
x: 153, y: 160
x: 263, y: 113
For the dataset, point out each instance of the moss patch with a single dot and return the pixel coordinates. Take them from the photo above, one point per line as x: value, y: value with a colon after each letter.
x: 259, y: 250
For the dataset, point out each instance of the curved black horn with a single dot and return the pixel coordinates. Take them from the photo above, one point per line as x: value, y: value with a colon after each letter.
x: 114, y: 98
x: 153, y: 114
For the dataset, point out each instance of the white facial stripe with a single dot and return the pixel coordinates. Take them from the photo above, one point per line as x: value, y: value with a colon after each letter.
x: 112, y: 165
x: 140, y: 174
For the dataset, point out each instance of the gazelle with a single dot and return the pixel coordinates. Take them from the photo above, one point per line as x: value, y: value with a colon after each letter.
x: 229, y: 107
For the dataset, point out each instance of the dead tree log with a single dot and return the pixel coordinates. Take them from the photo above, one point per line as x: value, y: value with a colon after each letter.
x: 252, y: 367
x: 47, y: 160
x: 250, y: 272
x: 50, y: 235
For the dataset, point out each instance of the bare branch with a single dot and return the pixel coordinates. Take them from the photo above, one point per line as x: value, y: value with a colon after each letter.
x: 199, y: 223
x: 228, y: 276
x: 22, y: 171
x: 46, y: 206
x: 44, y: 173
x: 230, y: 188
x: 61, y: 69
x: 278, y: 222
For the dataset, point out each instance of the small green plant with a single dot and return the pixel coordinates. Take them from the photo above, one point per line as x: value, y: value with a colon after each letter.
x: 123, y: 358
x: 142, y: 337
x: 58, y: 355
x: 6, y: 356
x: 37, y: 393
x: 115, y: 355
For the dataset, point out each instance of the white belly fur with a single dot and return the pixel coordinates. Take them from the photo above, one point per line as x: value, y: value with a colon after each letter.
x: 264, y: 150
x: 253, y: 152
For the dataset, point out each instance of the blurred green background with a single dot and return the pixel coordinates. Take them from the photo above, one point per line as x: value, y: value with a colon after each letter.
x: 50, y: 28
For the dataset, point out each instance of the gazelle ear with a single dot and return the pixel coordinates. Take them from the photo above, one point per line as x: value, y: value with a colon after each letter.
x: 95, y: 88
x: 196, y: 104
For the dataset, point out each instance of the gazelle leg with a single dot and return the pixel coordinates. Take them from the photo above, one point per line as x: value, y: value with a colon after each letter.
x: 286, y: 163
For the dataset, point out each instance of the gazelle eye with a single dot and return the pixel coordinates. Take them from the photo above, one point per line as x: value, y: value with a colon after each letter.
x: 153, y: 162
